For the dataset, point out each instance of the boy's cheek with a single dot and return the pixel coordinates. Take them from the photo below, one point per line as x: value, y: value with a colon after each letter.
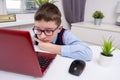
x: 51, y: 39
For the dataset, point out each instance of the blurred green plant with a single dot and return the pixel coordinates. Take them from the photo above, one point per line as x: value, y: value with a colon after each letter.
x: 98, y: 15
x: 40, y: 2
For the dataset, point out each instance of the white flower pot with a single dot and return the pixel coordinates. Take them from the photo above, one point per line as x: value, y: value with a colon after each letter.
x: 105, y: 60
x: 97, y: 21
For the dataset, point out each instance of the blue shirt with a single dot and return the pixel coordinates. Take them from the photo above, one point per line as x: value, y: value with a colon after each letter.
x: 74, y: 48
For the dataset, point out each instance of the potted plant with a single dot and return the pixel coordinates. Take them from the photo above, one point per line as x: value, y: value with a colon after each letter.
x: 106, y: 55
x: 40, y: 2
x: 98, y: 16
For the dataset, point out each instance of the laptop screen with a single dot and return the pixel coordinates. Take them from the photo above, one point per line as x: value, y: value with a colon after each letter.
x: 17, y: 53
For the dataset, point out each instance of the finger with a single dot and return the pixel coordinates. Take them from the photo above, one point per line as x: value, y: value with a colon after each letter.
x: 36, y: 39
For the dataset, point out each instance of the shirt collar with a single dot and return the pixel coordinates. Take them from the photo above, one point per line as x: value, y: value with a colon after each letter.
x: 54, y: 40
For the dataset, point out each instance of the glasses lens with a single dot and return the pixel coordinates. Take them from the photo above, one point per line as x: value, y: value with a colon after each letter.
x: 36, y: 31
x: 48, y: 32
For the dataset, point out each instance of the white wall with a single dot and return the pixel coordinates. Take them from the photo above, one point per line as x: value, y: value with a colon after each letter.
x: 2, y: 7
x: 64, y: 22
x: 106, y: 6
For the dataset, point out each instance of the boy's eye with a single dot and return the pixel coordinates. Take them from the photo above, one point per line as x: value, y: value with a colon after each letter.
x: 48, y: 31
x: 38, y: 30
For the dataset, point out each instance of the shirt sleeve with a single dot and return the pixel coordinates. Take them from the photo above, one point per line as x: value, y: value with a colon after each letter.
x: 75, y: 48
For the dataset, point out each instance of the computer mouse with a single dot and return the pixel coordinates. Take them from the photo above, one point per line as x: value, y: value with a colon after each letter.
x: 77, y: 67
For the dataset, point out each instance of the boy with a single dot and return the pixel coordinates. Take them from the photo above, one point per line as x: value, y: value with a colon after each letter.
x: 52, y: 37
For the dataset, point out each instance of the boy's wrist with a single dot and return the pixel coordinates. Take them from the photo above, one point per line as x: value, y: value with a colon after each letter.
x: 53, y: 48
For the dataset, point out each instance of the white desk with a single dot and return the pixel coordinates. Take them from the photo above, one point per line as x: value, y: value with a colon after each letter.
x: 59, y: 70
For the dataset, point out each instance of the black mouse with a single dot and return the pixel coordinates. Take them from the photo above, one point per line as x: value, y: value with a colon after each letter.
x: 77, y: 67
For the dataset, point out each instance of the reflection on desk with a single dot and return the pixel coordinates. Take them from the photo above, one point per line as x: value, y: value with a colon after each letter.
x: 58, y: 70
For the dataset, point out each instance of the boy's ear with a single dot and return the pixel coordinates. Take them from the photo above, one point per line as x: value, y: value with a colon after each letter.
x: 60, y: 28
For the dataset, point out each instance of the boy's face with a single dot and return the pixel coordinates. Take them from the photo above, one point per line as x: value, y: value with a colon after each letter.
x: 47, y: 27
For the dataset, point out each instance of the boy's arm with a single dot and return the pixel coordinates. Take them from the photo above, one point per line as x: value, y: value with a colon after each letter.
x: 75, y: 48
x: 55, y: 49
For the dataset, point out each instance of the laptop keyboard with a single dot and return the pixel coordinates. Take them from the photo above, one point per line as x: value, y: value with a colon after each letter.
x: 44, y: 62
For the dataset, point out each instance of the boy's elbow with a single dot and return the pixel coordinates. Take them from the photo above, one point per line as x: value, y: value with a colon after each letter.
x: 89, y: 55
x: 84, y: 55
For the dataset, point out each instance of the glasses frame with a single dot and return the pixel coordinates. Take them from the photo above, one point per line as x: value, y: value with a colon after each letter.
x: 44, y: 31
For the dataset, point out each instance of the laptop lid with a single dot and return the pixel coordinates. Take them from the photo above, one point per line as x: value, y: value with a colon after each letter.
x: 17, y: 53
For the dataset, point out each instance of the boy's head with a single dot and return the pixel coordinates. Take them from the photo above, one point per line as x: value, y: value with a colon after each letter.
x: 48, y: 12
x: 47, y: 22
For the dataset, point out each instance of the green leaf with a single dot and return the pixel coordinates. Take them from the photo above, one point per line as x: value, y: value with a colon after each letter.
x: 40, y: 2
x: 53, y: 1
x: 98, y: 15
x: 107, y: 47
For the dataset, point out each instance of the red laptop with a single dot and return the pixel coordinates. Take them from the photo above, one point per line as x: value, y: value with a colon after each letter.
x: 18, y: 55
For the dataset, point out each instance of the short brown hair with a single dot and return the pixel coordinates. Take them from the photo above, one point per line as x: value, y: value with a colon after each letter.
x: 48, y: 12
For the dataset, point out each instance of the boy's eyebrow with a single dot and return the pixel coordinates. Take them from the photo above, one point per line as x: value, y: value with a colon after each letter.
x: 36, y: 26
x: 45, y: 28
x: 49, y: 28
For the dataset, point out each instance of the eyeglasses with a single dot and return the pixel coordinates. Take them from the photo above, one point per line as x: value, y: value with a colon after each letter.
x: 46, y: 32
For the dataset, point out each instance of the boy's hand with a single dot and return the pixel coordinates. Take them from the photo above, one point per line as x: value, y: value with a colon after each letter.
x: 56, y: 49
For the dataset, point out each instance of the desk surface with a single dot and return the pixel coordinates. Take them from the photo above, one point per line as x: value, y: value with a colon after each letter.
x: 59, y: 70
